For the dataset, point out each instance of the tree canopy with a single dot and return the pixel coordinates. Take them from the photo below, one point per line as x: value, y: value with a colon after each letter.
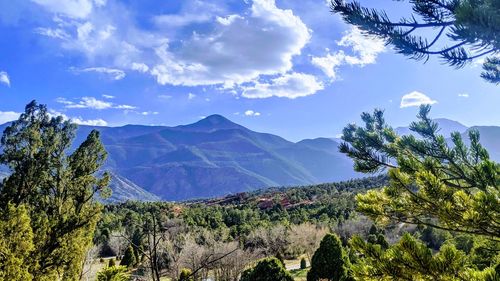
x: 56, y: 185
x: 460, y: 31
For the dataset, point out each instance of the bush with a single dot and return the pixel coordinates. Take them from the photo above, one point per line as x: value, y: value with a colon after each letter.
x: 269, y: 269
x: 303, y: 263
x: 111, y: 263
x: 115, y: 273
x: 185, y: 275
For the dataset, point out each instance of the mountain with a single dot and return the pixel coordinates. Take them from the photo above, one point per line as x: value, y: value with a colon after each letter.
x: 446, y: 127
x: 124, y: 190
x: 215, y: 157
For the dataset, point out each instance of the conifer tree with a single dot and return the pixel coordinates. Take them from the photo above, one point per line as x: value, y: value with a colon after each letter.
x: 441, y: 184
x: 129, y: 259
x: 460, y: 31
x: 330, y: 261
x: 57, y: 187
x: 114, y: 273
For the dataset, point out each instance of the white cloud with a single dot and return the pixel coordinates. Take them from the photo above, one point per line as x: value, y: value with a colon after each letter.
x: 79, y: 120
x: 272, y: 37
x: 69, y: 8
x: 291, y: 85
x: 365, y: 49
x: 91, y: 122
x: 93, y: 103
x: 4, y: 78
x: 141, y: 67
x: 191, y: 96
x: 146, y: 113
x: 464, y: 95
x: 108, y: 97
x: 164, y: 97
x: 53, y: 32
x: 115, y: 74
x: 415, y: 99
x: 7, y: 116
x: 252, y: 113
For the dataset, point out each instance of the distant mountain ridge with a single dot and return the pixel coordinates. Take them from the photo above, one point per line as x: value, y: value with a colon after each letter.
x: 216, y: 157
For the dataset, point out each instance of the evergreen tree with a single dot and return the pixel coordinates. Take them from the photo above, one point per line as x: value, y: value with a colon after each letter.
x: 269, y: 269
x: 455, y: 188
x: 330, y: 261
x: 433, y: 184
x: 129, y: 259
x: 57, y: 186
x: 472, y: 27
x: 185, y: 275
x: 303, y: 263
x: 16, y: 244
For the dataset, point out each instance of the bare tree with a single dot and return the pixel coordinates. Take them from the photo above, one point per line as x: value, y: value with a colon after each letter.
x: 306, y: 238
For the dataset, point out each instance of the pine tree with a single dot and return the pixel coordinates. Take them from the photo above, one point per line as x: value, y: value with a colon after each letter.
x: 269, y: 269
x: 410, y: 259
x: 129, y: 259
x: 472, y: 27
x: 56, y: 186
x: 452, y: 187
x: 330, y: 261
x: 16, y: 243
x: 303, y: 263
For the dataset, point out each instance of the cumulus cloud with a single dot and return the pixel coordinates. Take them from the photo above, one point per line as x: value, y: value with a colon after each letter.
x: 291, y: 85
x: 191, y: 96
x: 108, y: 96
x: 272, y: 37
x: 4, y: 78
x: 252, y: 113
x: 464, y: 95
x: 93, y: 103
x: 7, y: 116
x: 365, y: 50
x: 208, y: 55
x: 415, y: 99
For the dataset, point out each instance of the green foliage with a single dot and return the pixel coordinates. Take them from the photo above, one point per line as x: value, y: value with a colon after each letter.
x: 444, y: 187
x: 115, y: 273
x: 56, y: 186
x: 472, y: 26
x: 269, y: 269
x: 185, y: 275
x: 457, y: 186
x: 303, y: 263
x: 16, y: 243
x: 129, y: 258
x: 330, y: 261
x: 409, y: 259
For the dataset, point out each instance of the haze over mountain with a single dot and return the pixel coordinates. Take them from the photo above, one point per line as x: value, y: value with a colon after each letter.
x: 215, y: 156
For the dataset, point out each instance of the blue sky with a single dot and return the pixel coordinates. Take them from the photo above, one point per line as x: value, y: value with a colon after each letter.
x: 286, y: 67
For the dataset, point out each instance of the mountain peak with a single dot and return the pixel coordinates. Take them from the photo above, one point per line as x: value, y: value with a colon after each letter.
x: 210, y: 123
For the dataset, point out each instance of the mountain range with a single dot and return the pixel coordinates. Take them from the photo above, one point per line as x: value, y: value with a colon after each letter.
x: 215, y: 157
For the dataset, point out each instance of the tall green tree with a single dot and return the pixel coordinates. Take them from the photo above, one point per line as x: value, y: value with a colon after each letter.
x: 57, y: 185
x: 269, y: 269
x: 330, y: 261
x: 459, y: 31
